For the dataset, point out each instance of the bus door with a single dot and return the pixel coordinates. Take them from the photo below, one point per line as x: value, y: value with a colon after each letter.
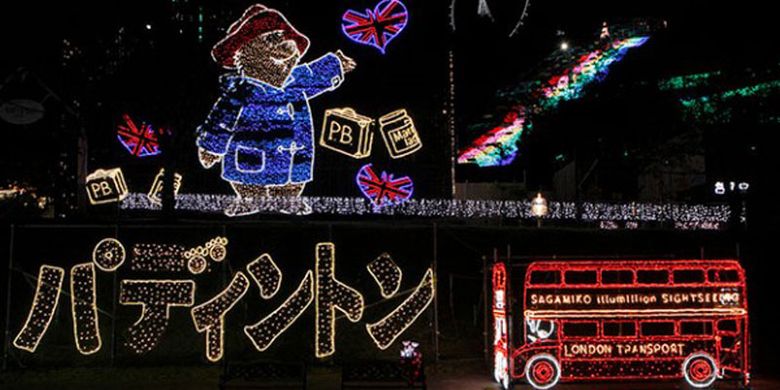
x: 730, y: 343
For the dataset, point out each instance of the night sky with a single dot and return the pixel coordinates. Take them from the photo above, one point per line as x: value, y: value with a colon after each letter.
x: 167, y: 78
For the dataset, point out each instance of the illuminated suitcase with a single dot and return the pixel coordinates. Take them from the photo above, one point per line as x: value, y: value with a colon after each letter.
x: 106, y: 186
x: 347, y: 132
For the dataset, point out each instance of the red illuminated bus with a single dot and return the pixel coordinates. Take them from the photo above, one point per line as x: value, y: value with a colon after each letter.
x: 630, y: 320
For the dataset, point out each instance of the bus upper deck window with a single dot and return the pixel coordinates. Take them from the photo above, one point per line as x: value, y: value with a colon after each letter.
x: 617, y: 277
x: 545, y: 277
x: 652, y: 276
x: 658, y: 328
x: 580, y: 277
x: 619, y: 328
x: 579, y: 329
x: 688, y: 276
x: 729, y: 275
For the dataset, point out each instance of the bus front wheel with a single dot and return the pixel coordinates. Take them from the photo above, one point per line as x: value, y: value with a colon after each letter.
x: 700, y: 370
x: 542, y: 371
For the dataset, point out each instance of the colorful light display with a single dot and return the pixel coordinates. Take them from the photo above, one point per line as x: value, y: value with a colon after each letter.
x: 499, y: 145
x: 714, y: 108
x: 384, y: 189
x: 376, y: 27
x: 261, y: 126
x: 589, y: 68
x: 140, y: 141
x: 617, y: 320
x: 687, y: 81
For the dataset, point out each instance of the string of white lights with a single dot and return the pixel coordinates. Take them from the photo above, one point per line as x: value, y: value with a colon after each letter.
x: 331, y: 295
x: 386, y: 330
x: 83, y: 298
x: 209, y: 316
x: 47, y: 295
x: 458, y: 208
x: 387, y: 274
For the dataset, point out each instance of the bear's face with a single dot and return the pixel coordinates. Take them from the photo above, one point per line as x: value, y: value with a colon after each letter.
x: 269, y: 57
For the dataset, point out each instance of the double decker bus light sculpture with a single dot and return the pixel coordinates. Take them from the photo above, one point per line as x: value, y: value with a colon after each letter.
x: 625, y: 320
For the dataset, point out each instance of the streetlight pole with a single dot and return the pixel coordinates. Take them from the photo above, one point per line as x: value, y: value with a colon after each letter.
x: 539, y: 208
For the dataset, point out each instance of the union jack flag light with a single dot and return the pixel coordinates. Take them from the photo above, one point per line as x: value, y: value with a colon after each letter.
x: 140, y: 141
x: 384, y: 189
x: 376, y: 27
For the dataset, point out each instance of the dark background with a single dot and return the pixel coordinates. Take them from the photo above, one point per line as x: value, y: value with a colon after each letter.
x: 168, y: 79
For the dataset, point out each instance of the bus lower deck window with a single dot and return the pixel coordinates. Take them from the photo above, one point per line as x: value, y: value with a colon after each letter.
x: 622, y: 328
x: 694, y: 328
x: 577, y: 329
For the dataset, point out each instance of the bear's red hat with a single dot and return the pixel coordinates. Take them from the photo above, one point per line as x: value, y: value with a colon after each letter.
x: 257, y: 19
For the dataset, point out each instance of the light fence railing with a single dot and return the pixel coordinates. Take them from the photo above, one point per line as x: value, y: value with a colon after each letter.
x: 680, y: 216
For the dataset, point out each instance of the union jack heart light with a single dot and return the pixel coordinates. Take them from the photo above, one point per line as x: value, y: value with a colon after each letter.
x: 140, y: 141
x: 376, y: 27
x: 383, y: 189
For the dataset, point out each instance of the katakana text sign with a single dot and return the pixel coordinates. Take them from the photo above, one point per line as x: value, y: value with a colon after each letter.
x: 158, y: 283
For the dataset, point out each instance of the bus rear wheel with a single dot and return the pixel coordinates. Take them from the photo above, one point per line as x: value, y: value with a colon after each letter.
x: 542, y: 371
x: 700, y: 370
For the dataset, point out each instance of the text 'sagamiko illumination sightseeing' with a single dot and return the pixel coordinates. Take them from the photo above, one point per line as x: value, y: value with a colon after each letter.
x: 627, y: 320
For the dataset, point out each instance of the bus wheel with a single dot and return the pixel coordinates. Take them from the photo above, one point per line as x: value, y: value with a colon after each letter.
x: 700, y: 370
x: 542, y: 371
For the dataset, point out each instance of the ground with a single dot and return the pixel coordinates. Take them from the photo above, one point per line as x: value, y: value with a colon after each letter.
x: 466, y: 375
